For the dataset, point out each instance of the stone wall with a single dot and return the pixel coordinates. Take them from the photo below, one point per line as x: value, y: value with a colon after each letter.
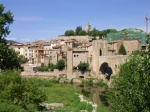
x: 79, y: 57
x: 113, y: 61
x: 29, y: 72
x: 131, y: 45
x: 56, y: 74
x: 78, y: 38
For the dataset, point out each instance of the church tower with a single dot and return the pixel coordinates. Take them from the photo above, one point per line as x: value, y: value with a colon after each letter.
x: 87, y: 27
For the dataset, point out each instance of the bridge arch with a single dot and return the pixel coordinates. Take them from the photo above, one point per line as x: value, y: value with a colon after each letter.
x: 105, y: 69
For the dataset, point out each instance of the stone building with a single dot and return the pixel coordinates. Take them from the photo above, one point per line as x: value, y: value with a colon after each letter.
x: 87, y: 27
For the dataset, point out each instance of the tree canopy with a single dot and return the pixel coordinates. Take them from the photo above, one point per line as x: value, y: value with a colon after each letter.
x: 131, y: 87
x: 80, y: 32
x: 8, y: 57
x: 6, y: 19
x: 122, y: 50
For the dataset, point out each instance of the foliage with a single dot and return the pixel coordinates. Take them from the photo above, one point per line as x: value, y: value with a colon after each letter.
x: 66, y: 94
x: 51, y: 66
x: 83, y: 66
x: 83, y: 32
x: 7, y: 107
x: 6, y: 19
x: 131, y: 87
x: 60, y: 64
x: 8, y: 57
x: 42, y: 68
x: 122, y: 50
x: 19, y: 91
x: 101, y: 108
x: 69, y: 33
x: 78, y: 30
x: 44, y: 83
x: 93, y: 32
x: 101, y: 83
x: 22, y: 59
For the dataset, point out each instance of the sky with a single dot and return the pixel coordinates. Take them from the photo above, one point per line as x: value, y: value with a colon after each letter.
x: 47, y: 19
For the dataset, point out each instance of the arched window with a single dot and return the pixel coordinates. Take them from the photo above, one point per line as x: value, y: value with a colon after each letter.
x: 100, y: 52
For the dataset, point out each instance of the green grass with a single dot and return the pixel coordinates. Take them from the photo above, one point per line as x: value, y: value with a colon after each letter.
x: 64, y: 93
x: 101, y: 108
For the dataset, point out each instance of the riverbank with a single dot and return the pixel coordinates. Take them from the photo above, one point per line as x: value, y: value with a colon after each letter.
x: 69, y: 96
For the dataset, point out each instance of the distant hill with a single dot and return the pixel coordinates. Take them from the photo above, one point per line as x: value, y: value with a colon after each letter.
x: 12, y: 41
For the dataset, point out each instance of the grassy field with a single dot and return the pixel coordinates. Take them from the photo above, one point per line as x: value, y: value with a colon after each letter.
x: 64, y: 93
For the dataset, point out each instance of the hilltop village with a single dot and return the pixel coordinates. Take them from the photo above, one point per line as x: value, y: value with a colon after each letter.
x: 77, y: 49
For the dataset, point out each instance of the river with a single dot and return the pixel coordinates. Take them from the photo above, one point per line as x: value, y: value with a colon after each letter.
x: 95, y: 93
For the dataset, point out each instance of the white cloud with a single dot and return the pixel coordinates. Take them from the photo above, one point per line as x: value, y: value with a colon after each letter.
x: 26, y: 39
x: 28, y: 18
x: 11, y: 38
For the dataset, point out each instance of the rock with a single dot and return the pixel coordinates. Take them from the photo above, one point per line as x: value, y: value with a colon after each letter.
x: 51, y: 106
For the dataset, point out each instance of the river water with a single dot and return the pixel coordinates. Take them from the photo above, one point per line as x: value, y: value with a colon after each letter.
x: 95, y: 93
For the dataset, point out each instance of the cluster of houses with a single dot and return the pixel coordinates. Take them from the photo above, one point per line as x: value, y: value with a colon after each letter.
x: 77, y: 49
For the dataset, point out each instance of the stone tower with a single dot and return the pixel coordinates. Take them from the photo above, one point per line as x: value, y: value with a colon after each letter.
x: 87, y: 27
x: 69, y: 64
x: 99, y: 49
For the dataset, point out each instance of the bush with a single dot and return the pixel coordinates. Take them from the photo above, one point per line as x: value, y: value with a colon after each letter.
x: 101, y: 83
x: 122, y: 50
x: 43, y: 68
x: 131, y: 87
x: 19, y: 91
x: 7, y: 107
x: 83, y: 66
x: 51, y: 66
x: 60, y: 64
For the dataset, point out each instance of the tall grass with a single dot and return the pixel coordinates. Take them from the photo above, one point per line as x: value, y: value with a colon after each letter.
x: 63, y: 93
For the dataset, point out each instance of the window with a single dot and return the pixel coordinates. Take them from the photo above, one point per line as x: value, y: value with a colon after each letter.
x: 100, y: 52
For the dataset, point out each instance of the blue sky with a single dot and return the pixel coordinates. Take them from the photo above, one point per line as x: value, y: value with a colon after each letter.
x: 46, y: 19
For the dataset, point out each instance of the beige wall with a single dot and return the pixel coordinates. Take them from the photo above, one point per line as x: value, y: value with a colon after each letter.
x: 113, y: 61
x: 131, y: 45
x: 78, y: 38
x: 79, y: 57
x: 69, y: 65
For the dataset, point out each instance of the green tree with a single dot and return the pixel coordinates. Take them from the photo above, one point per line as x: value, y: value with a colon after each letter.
x: 60, y: 64
x: 22, y: 59
x: 51, y: 66
x: 83, y: 66
x: 69, y: 33
x: 113, y: 31
x: 6, y: 19
x: 20, y: 91
x: 83, y: 32
x: 131, y: 87
x: 122, y: 50
x: 8, y: 57
x: 78, y: 30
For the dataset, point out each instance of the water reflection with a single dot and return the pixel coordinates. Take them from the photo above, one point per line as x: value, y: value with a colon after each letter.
x: 95, y: 93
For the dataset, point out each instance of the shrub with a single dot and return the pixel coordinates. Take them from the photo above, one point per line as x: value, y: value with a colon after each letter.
x: 19, y: 91
x: 131, y: 87
x: 43, y: 68
x: 60, y: 64
x: 83, y: 66
x: 51, y: 66
x: 7, y: 107
x: 122, y: 50
x: 101, y: 83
